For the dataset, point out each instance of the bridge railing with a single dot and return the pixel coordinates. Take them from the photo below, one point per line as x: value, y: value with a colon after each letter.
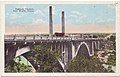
x: 27, y: 38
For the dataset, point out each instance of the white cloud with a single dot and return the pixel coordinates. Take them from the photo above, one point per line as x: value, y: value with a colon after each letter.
x: 76, y: 12
x: 38, y: 21
x: 39, y: 12
x: 37, y: 26
x: 99, y: 20
x: 76, y: 17
x: 72, y: 15
x: 45, y: 11
x: 15, y: 15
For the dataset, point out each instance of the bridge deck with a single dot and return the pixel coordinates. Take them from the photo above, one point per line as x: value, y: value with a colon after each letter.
x: 33, y: 38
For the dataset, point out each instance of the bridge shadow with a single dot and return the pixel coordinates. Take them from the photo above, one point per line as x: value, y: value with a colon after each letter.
x: 83, y: 49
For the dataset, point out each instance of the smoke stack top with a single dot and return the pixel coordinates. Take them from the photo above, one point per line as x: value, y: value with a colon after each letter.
x: 50, y: 21
x: 63, y: 22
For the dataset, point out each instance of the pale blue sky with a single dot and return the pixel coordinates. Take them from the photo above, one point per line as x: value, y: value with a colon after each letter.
x: 75, y: 14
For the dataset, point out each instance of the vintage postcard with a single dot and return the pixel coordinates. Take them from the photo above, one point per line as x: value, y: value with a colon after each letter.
x: 63, y: 37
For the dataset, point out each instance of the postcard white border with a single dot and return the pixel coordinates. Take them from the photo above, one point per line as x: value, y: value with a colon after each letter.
x: 2, y: 31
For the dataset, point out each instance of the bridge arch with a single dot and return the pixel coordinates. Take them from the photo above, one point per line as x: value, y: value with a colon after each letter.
x: 81, y: 50
x: 26, y: 50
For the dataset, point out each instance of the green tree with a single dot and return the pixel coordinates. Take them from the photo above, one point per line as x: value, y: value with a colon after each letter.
x: 84, y: 64
x: 46, y: 59
x: 112, y: 60
x: 18, y: 67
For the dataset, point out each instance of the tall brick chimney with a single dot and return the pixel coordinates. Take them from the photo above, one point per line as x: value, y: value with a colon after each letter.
x: 50, y: 21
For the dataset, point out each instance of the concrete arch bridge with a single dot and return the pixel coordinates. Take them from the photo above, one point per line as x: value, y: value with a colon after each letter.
x: 70, y: 47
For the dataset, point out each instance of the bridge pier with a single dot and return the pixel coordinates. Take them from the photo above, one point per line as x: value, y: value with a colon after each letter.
x: 91, y: 48
x: 10, y: 53
x: 73, y: 50
x: 62, y: 50
x: 66, y: 54
x: 69, y: 52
